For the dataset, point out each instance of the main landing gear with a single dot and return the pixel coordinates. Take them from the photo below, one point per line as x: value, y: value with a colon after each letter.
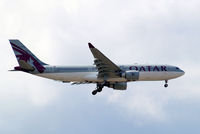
x: 98, y: 88
x: 166, y: 85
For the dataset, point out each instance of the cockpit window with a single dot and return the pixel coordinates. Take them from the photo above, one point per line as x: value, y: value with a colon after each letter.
x: 177, y: 68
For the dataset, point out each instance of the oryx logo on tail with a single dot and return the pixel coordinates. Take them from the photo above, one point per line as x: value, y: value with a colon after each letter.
x: 27, y: 60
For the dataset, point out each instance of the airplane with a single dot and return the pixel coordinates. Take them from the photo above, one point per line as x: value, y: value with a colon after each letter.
x: 104, y: 73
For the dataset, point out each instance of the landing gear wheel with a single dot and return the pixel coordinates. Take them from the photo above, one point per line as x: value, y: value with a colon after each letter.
x: 94, y: 92
x: 166, y: 85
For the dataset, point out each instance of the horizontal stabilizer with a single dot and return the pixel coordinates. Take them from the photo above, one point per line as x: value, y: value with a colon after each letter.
x: 13, y: 70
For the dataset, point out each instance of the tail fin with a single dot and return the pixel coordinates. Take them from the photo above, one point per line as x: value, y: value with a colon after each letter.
x: 27, y: 60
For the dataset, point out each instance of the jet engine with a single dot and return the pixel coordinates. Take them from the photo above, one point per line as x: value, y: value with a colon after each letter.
x: 118, y: 85
x: 131, y: 75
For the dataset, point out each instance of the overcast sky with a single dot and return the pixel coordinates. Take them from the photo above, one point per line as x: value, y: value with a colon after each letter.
x: 128, y: 32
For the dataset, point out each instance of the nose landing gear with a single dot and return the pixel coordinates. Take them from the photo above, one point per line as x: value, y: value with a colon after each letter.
x: 166, y: 85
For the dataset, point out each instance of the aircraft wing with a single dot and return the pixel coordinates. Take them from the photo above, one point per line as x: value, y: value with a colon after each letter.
x: 106, y: 68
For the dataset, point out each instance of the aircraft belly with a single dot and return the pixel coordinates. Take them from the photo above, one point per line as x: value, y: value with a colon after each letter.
x: 92, y: 76
x: 145, y: 76
x: 78, y: 76
x: 71, y: 76
x: 156, y: 76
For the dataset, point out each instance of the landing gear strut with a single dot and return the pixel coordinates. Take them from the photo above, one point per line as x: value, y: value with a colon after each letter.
x: 166, y: 85
x: 98, y: 89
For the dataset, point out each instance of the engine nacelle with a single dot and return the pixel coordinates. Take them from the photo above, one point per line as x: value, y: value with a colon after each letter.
x: 131, y: 75
x: 118, y: 86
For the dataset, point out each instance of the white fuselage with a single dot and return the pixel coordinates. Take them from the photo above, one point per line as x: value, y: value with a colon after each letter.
x: 90, y: 74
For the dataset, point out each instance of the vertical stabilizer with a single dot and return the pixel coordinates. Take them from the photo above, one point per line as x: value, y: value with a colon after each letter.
x: 26, y: 59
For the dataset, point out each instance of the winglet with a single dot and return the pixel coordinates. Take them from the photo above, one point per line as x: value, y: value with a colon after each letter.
x: 90, y: 45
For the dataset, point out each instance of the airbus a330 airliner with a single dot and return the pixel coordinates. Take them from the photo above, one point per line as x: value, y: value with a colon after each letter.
x: 103, y: 73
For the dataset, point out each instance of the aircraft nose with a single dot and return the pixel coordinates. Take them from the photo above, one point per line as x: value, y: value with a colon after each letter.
x: 182, y: 72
